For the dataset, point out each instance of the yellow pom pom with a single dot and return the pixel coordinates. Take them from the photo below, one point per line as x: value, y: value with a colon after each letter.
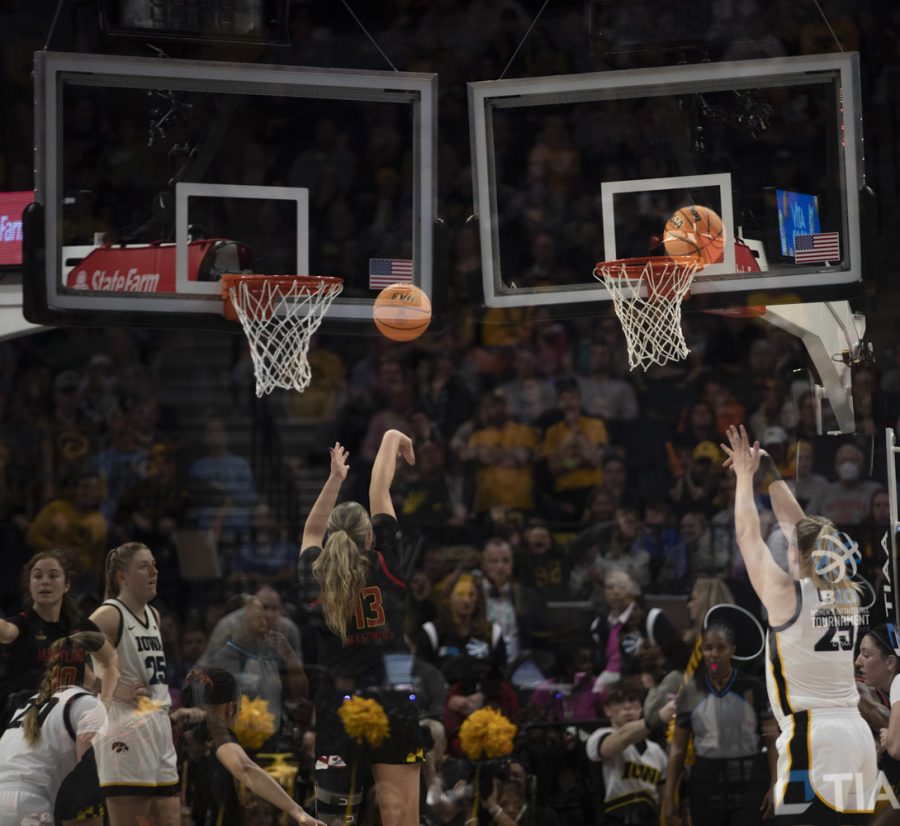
x: 365, y: 719
x: 255, y: 723
x: 146, y: 706
x: 486, y: 734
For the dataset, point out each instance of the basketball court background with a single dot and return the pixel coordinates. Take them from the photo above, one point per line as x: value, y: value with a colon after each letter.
x: 503, y: 175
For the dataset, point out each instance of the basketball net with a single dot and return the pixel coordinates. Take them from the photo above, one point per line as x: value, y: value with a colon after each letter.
x: 647, y: 295
x: 279, y: 315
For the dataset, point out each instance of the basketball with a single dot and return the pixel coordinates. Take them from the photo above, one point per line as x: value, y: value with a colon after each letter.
x: 695, y: 231
x: 402, y: 312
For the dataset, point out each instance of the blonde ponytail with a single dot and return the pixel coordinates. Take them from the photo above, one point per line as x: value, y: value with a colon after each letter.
x: 30, y: 725
x: 341, y: 569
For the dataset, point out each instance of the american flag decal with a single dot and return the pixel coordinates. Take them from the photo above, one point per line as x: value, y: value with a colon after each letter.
x: 386, y: 271
x: 823, y: 246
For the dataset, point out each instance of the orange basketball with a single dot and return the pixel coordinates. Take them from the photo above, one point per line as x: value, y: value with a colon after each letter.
x: 695, y: 231
x: 402, y: 312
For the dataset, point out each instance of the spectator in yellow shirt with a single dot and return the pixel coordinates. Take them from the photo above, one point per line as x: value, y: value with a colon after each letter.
x: 503, y: 450
x: 75, y: 526
x: 573, y: 449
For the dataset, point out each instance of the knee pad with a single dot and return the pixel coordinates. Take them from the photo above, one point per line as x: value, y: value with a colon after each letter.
x: 334, y: 799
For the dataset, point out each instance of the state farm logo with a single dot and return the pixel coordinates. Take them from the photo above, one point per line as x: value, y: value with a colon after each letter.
x: 10, y: 230
x: 133, y: 281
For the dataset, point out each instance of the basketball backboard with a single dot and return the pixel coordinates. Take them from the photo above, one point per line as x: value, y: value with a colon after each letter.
x: 156, y: 176
x: 589, y: 168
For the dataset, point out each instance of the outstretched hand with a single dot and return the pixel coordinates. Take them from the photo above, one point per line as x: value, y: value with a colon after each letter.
x: 305, y: 819
x: 405, y: 449
x: 339, y: 466
x: 742, y: 457
x: 729, y: 461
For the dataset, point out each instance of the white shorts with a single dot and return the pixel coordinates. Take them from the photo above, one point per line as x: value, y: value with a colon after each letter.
x: 136, y: 756
x: 21, y: 808
x: 826, y: 764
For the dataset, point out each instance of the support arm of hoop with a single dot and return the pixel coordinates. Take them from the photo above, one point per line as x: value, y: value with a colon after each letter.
x: 889, y: 543
x: 812, y: 323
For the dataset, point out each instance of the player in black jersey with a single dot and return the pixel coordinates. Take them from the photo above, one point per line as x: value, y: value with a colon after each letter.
x: 225, y: 763
x: 50, y: 615
x: 362, y: 602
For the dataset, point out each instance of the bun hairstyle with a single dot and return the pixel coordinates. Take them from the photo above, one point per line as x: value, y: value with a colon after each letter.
x: 724, y: 628
x: 341, y: 568
x: 66, y: 666
x: 218, y: 685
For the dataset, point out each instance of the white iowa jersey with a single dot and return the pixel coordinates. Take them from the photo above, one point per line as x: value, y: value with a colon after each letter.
x: 810, y: 658
x: 632, y: 777
x: 43, y: 765
x: 140, y: 650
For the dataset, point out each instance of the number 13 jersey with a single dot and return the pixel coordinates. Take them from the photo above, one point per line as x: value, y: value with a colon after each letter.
x: 377, y: 623
x: 140, y: 649
x: 810, y: 657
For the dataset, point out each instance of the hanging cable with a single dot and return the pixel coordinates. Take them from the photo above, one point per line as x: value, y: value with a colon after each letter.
x: 827, y: 23
x: 524, y: 38
x: 366, y: 33
x: 53, y: 24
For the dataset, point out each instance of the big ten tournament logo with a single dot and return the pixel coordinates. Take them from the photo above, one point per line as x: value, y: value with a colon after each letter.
x: 844, y: 791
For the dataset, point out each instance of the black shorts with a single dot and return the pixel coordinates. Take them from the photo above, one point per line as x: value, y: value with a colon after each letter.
x: 79, y: 797
x: 335, y: 749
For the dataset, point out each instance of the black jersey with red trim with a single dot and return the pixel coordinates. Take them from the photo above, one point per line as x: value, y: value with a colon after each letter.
x: 377, y: 625
x: 25, y: 658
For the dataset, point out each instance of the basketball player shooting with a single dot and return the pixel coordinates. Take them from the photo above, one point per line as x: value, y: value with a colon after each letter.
x: 826, y: 755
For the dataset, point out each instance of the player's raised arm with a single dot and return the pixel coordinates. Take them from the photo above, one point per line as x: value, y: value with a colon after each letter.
x: 394, y: 442
x: 785, y: 506
x: 314, y: 529
x: 773, y: 585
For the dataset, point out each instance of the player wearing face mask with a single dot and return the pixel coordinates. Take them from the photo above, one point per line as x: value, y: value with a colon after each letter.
x: 846, y: 501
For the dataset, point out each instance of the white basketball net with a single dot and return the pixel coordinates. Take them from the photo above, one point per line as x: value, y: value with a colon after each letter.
x: 647, y: 298
x: 279, y: 319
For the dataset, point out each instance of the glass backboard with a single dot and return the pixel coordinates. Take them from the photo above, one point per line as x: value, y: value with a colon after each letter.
x: 592, y: 167
x: 156, y: 176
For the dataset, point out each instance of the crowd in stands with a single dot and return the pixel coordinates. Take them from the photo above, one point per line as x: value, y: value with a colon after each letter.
x: 542, y: 544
